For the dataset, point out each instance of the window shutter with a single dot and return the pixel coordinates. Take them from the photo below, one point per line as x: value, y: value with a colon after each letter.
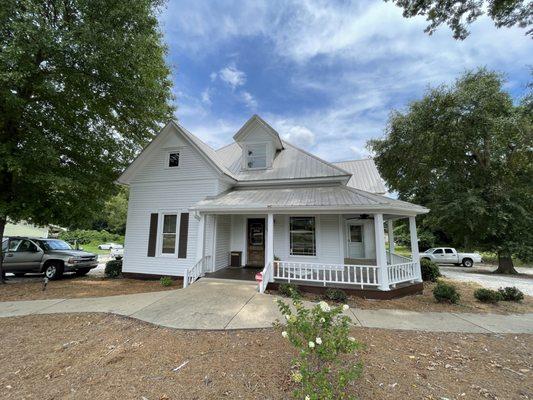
x: 184, y: 233
x: 152, y: 235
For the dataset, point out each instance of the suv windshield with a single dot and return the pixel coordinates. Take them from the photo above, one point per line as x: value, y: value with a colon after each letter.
x: 56, y: 245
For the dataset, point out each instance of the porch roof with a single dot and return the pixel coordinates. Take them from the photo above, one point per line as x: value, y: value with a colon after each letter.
x: 317, y: 198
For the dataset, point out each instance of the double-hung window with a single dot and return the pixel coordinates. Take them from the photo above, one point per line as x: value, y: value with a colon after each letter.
x: 168, y: 233
x: 256, y: 155
x: 302, y: 232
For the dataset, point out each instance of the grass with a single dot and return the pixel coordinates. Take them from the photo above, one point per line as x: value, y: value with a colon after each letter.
x: 93, y: 248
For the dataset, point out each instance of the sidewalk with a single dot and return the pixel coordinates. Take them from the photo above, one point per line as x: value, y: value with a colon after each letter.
x: 214, y: 304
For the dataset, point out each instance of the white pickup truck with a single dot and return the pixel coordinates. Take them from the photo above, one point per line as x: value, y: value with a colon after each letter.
x: 448, y: 255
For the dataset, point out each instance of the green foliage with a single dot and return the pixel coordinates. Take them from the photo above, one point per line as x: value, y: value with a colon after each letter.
x: 113, y: 268
x: 82, y: 236
x: 445, y: 293
x: 114, y: 213
x: 83, y: 86
x: 464, y: 151
x: 166, y: 281
x: 487, y: 295
x: 457, y: 15
x: 336, y: 295
x: 426, y: 239
x: 430, y: 270
x: 324, y: 366
x: 289, y: 290
x: 511, y: 294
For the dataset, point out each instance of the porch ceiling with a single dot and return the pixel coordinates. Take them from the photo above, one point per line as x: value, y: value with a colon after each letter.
x: 319, y: 198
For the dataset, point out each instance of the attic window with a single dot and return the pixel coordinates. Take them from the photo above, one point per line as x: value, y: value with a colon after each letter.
x: 256, y: 155
x: 174, y: 159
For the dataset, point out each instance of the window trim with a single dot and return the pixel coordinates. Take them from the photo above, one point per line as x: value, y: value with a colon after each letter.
x: 268, y: 156
x: 167, y: 158
x: 161, y: 219
x: 317, y: 237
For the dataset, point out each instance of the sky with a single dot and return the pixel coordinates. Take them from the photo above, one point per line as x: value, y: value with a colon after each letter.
x: 325, y: 74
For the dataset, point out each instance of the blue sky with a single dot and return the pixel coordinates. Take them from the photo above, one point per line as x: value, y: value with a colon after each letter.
x: 325, y: 74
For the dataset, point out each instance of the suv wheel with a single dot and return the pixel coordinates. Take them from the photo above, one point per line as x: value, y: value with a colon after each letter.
x: 53, y: 271
x: 468, y: 263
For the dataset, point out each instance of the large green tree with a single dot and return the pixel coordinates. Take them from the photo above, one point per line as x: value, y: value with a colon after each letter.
x: 466, y: 152
x: 83, y: 84
x: 460, y: 13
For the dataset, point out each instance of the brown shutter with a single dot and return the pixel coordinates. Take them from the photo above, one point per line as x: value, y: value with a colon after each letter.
x: 152, y: 235
x: 184, y: 234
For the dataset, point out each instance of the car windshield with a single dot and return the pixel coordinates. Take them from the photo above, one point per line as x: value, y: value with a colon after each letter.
x: 429, y: 250
x: 56, y: 245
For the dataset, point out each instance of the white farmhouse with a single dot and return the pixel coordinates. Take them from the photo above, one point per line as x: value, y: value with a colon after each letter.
x: 263, y: 203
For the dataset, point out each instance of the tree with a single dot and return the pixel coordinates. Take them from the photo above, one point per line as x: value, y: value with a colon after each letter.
x: 83, y: 85
x: 114, y: 213
x: 458, y: 14
x: 466, y: 152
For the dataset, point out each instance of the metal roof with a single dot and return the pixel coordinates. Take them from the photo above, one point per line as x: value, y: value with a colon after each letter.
x: 365, y: 175
x: 290, y: 163
x: 323, y: 197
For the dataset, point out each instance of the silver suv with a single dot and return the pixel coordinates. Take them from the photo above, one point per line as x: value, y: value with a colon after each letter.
x: 49, y: 256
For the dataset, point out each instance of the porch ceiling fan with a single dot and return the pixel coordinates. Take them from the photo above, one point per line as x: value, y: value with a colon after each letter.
x: 361, y: 216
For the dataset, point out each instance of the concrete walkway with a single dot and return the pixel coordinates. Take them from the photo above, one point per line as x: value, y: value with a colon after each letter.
x: 223, y: 304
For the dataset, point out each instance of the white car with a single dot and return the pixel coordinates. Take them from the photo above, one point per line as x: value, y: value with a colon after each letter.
x: 448, y: 255
x: 117, y: 254
x: 110, y: 246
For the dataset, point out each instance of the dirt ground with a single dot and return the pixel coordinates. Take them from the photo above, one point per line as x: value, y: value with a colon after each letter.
x: 76, y: 287
x: 426, y: 301
x: 95, y: 356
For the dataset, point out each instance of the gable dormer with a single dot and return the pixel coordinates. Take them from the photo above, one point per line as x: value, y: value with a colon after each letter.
x: 259, y: 143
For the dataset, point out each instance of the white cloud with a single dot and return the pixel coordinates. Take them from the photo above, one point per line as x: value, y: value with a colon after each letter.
x: 249, y: 100
x: 206, y: 96
x: 213, y: 76
x: 232, y: 76
x: 296, y: 134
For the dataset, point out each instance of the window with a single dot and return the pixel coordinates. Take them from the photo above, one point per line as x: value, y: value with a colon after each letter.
x: 302, y: 236
x: 448, y: 251
x: 356, y: 233
x: 55, y: 244
x: 26, y: 247
x: 169, y: 234
x: 174, y: 159
x: 256, y: 155
x: 438, y: 251
x: 13, y: 243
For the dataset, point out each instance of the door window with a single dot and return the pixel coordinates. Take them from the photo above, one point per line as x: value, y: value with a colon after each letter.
x: 438, y: 251
x: 356, y: 233
x: 256, y: 234
x: 448, y: 251
x: 26, y: 247
x: 13, y: 243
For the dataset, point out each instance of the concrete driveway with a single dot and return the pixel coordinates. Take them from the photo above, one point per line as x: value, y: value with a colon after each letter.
x: 484, y: 278
x: 216, y: 304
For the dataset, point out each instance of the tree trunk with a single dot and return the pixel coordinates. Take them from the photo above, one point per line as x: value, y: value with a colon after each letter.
x: 505, y: 264
x: 3, y: 222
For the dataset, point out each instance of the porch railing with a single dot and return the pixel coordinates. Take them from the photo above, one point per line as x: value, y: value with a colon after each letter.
x: 395, y: 258
x: 267, y: 277
x: 197, y: 270
x: 403, y: 272
x: 345, y: 274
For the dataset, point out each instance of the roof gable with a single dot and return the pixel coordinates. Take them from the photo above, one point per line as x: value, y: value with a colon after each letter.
x: 258, y: 127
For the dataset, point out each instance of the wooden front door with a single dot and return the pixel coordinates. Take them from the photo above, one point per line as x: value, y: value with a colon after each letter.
x: 256, y: 242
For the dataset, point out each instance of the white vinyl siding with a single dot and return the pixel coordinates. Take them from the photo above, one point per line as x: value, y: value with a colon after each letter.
x: 223, y: 238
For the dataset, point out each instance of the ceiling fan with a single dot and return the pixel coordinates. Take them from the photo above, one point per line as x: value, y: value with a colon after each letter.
x: 361, y: 216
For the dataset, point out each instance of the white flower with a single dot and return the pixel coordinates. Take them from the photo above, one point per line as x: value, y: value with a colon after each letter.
x: 345, y: 307
x: 311, y: 345
x: 322, y: 320
x: 351, y: 339
x: 324, y: 306
x: 318, y: 340
x: 307, y: 397
x: 287, y: 316
x: 284, y: 334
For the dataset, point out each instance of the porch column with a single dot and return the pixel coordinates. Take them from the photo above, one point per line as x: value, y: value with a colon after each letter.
x: 390, y: 232
x: 269, y: 253
x: 381, y: 255
x: 414, y: 247
x: 200, y: 239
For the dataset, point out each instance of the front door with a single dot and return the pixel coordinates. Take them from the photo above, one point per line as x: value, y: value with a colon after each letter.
x: 256, y: 242
x: 355, y: 240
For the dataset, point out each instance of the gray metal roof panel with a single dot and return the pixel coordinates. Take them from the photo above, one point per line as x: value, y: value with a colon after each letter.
x: 365, y: 175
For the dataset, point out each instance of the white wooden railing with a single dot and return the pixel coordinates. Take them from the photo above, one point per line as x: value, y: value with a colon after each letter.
x: 403, y: 272
x: 394, y: 258
x: 267, y: 275
x: 197, y: 270
x: 345, y: 274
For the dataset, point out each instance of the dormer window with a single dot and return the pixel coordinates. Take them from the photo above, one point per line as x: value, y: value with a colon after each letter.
x: 173, y: 159
x: 256, y: 155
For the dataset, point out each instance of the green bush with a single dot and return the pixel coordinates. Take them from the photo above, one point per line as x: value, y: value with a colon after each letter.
x: 288, y: 290
x: 166, y: 281
x: 324, y: 366
x: 113, y: 268
x: 85, y: 236
x: 430, y: 270
x: 511, y: 294
x: 487, y: 295
x: 337, y: 295
x: 445, y: 293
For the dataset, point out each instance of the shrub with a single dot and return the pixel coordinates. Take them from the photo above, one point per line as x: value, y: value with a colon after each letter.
x: 337, y: 295
x: 430, y: 270
x: 324, y: 366
x: 166, y: 281
x: 113, y: 268
x: 85, y: 236
x: 487, y: 295
x: 446, y: 293
x: 289, y: 290
x: 511, y: 294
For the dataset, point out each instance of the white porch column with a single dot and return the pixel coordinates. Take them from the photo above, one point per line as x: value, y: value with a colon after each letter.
x: 390, y: 232
x: 381, y: 255
x: 414, y: 247
x: 269, y: 253
x: 200, y: 239
x: 213, y: 224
